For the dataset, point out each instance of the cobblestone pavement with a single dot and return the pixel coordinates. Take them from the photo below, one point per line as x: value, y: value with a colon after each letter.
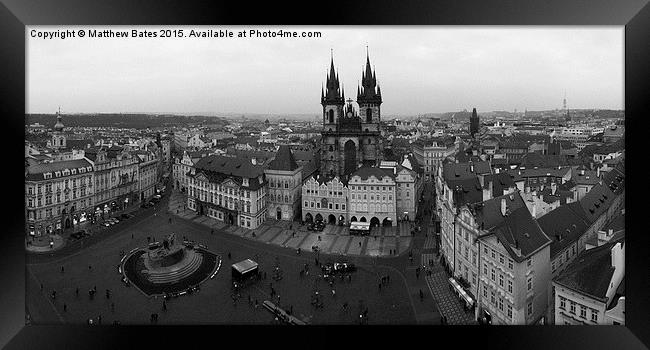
x: 382, y: 242
x: 448, y: 302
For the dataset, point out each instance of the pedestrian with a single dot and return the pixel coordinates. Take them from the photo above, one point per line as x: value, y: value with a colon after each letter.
x: 62, y: 269
x: 380, y: 287
x: 65, y: 307
x: 90, y: 267
x: 387, y: 279
x: 53, y: 294
x: 333, y: 293
x: 131, y: 235
x: 229, y: 256
x: 76, y: 292
x: 99, y: 319
x: 41, y: 287
x: 164, y: 306
x: 256, y: 303
x: 421, y: 295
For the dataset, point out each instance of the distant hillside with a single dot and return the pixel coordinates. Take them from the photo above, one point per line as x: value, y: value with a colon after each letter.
x: 137, y: 121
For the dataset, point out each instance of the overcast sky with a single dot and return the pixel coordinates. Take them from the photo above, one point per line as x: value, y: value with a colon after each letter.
x: 420, y: 70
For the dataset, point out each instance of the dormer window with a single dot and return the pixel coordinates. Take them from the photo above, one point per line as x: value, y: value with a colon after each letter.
x: 57, y: 174
x: 74, y: 171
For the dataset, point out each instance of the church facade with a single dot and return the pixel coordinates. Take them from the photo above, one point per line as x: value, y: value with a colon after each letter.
x: 350, y: 139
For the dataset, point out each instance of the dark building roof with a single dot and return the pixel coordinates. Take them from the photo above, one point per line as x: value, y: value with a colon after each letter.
x: 488, y: 213
x: 366, y: 171
x: 500, y: 182
x: 35, y: 172
x: 456, y: 171
x: 520, y: 174
x: 220, y: 168
x: 590, y: 177
x: 283, y: 160
x: 466, y: 190
x: 535, y: 159
x: 564, y: 225
x: 520, y: 234
x: 591, y: 272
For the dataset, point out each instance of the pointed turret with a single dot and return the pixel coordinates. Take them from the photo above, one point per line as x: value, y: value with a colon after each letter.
x: 332, y: 93
x: 368, y: 92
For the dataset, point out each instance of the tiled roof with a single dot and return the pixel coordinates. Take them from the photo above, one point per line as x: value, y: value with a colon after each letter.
x: 564, y: 225
x: 366, y: 171
x: 500, y: 182
x: 283, y: 160
x: 466, y: 191
x: 520, y: 234
x: 591, y: 272
x: 590, y: 177
x: 35, y: 172
x: 455, y: 171
x: 218, y: 168
x: 488, y: 213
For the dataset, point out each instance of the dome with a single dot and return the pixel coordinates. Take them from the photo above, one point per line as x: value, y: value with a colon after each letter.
x: 59, y: 125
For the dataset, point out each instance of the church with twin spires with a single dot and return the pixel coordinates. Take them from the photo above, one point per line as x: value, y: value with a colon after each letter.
x: 350, y: 138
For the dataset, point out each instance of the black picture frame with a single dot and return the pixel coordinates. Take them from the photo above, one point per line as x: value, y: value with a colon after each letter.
x: 15, y: 14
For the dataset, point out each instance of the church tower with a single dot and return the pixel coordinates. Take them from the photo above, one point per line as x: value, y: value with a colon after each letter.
x: 473, y: 123
x: 349, y: 138
x: 58, y: 138
x: 332, y: 99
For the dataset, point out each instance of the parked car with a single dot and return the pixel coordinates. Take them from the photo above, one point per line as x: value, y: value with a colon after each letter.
x: 320, y: 226
x: 107, y: 223
x: 311, y: 227
x: 126, y: 216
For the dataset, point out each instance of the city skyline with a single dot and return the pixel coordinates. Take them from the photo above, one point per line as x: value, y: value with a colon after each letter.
x: 421, y: 70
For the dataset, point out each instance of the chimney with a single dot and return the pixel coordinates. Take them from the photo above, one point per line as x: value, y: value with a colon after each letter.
x: 527, y: 189
x: 481, y: 180
x: 503, y: 206
x: 496, y: 171
x: 534, y: 213
x: 553, y: 188
x: 582, y: 172
x: 598, y: 172
x: 610, y: 232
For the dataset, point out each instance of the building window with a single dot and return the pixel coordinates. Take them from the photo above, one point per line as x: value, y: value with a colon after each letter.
x: 501, y: 280
x: 501, y: 304
x: 492, y: 297
x: 493, y: 278
x: 562, y: 303
x: 529, y: 262
x: 573, y: 308
x: 583, y: 311
x: 529, y: 284
x: 509, y: 308
x: 509, y: 286
x: 594, y: 315
x: 510, y: 264
x: 529, y: 308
